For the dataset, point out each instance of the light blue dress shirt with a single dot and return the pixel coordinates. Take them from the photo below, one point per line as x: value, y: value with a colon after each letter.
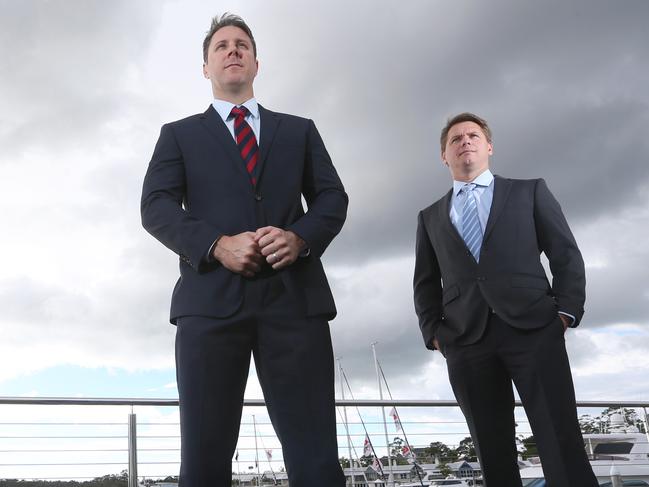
x: 223, y: 108
x: 484, y: 195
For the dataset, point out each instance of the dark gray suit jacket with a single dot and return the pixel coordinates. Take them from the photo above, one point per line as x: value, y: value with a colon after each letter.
x: 454, y: 295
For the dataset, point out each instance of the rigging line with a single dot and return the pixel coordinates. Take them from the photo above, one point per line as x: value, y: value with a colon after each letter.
x: 268, y: 459
x: 367, y: 435
x: 358, y: 459
x: 405, y: 437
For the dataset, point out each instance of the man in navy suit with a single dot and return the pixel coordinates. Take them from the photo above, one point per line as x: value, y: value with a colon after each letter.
x: 224, y: 191
x: 483, y: 300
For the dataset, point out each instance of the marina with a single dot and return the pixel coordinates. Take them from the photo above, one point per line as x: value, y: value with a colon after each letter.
x: 618, y: 456
x: 98, y: 440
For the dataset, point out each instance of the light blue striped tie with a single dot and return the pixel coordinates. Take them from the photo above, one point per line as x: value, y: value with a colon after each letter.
x: 471, y: 229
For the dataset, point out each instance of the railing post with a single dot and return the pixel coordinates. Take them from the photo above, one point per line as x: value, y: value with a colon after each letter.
x: 132, y: 450
x: 616, y: 479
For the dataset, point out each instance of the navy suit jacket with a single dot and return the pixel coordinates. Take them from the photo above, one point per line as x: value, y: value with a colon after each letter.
x: 454, y: 294
x: 197, y: 188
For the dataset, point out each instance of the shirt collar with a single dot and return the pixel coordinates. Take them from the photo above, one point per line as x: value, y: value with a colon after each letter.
x: 484, y: 179
x: 223, y: 108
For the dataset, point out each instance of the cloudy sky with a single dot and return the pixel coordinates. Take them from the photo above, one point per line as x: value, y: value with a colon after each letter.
x: 86, y: 85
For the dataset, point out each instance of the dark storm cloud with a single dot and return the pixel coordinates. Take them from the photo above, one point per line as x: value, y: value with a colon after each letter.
x: 563, y: 85
x: 64, y: 66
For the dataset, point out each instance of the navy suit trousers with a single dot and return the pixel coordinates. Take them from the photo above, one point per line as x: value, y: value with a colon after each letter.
x: 294, y: 361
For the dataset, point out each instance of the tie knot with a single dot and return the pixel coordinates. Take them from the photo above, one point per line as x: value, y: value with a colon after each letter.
x: 468, y: 187
x: 239, y: 112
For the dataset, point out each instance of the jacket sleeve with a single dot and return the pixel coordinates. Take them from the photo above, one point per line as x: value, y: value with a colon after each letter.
x: 558, y: 243
x: 324, y: 194
x: 162, y: 206
x: 427, y: 285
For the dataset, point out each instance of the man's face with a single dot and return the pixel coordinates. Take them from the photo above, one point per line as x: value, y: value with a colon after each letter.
x: 231, y: 65
x: 467, y: 151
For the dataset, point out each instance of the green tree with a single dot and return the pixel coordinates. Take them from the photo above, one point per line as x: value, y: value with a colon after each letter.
x: 466, y: 450
x: 366, y: 460
x: 397, y: 444
x: 440, y: 452
x: 601, y: 423
x: 631, y: 417
x: 395, y: 452
x: 119, y: 480
x: 590, y: 424
x: 444, y: 469
x: 529, y: 447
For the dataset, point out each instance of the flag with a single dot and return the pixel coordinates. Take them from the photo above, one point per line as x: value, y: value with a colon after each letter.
x: 408, y: 454
x: 376, y: 465
x: 269, y: 455
x: 395, y: 417
x: 367, y: 447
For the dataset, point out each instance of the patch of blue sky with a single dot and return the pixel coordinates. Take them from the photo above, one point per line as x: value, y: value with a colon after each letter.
x: 75, y: 381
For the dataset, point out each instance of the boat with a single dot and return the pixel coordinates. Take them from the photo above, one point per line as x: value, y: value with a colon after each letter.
x: 450, y: 481
x: 610, y: 454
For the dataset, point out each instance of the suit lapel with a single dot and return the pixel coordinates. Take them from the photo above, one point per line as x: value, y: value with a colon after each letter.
x: 215, y: 126
x: 445, y: 218
x: 269, y: 122
x: 501, y: 192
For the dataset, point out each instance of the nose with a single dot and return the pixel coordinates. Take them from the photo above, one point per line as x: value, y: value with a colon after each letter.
x: 234, y: 51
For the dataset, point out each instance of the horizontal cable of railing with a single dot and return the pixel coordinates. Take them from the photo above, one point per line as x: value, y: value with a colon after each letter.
x: 106, y: 401
x: 148, y: 461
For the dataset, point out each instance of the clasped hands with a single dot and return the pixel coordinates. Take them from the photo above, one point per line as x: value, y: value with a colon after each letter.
x: 246, y: 252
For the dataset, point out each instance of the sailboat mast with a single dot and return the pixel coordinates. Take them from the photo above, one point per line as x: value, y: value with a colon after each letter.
x: 349, y: 440
x: 254, y: 426
x: 385, y: 426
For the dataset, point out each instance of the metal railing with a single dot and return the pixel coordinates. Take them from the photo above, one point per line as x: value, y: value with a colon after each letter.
x: 152, y: 445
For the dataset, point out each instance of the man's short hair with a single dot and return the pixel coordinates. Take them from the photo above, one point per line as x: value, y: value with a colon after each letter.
x: 464, y: 117
x: 227, y: 19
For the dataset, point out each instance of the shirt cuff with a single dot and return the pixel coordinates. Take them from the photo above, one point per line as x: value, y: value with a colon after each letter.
x: 572, y: 318
x: 210, y: 252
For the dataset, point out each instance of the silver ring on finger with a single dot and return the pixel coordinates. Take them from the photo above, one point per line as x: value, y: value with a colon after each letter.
x: 275, y: 258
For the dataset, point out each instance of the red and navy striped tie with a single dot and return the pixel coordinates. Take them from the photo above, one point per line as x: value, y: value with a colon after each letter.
x: 246, y: 140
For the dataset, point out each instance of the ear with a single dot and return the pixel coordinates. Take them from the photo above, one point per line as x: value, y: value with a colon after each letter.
x: 491, y: 149
x: 205, y: 73
x: 444, y: 161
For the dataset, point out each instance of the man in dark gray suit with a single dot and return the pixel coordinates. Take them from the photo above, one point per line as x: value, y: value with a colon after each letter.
x: 484, y: 300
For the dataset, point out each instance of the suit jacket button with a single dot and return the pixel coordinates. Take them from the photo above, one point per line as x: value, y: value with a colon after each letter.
x: 258, y: 197
x: 481, y: 278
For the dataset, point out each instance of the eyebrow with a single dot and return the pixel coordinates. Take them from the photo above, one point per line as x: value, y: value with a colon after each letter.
x: 473, y: 132
x: 237, y: 40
